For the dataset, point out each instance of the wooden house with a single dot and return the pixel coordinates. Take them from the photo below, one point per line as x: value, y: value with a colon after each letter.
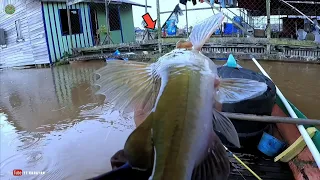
x: 37, y: 31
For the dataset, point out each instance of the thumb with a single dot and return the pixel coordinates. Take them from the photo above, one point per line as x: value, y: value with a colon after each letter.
x: 216, y: 82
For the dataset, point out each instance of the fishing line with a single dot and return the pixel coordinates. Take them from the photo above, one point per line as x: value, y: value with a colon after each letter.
x: 107, y: 135
x: 237, y: 170
x: 242, y: 163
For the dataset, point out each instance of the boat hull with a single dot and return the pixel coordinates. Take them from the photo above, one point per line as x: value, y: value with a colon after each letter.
x: 303, y: 165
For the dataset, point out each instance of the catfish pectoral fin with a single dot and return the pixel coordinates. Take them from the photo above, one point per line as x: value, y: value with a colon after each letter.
x: 215, y: 166
x: 128, y: 85
x: 232, y: 90
x: 223, y: 124
x: 118, y: 159
x: 138, y: 148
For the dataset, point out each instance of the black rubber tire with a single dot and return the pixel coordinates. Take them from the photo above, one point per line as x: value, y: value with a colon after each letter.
x: 250, y: 132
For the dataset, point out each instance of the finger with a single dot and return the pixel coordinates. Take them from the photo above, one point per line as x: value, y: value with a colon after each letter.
x: 216, y: 82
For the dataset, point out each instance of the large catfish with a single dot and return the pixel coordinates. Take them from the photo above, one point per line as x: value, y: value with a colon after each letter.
x: 177, y: 139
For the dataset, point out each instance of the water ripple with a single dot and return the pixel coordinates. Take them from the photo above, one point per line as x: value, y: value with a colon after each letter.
x: 33, y: 157
x: 52, y: 175
x: 9, y: 160
x: 30, y: 161
x: 26, y: 141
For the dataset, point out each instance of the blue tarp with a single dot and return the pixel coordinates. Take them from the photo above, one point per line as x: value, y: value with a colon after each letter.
x: 228, y: 28
x: 171, y: 28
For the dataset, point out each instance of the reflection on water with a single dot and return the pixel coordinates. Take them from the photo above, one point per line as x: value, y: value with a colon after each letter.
x: 53, y: 122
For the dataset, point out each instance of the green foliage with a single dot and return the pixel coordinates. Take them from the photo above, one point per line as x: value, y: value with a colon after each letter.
x: 59, y: 63
x: 66, y: 55
x: 153, y: 59
x: 64, y: 59
x: 103, y: 29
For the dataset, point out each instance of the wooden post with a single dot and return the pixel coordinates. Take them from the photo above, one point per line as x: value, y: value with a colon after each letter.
x: 268, y: 30
x: 268, y: 19
x: 159, y: 26
x: 107, y: 19
x: 146, y: 6
x: 69, y: 24
x: 187, y: 20
x: 107, y: 38
x: 279, y: 13
x: 121, y: 31
x: 146, y: 11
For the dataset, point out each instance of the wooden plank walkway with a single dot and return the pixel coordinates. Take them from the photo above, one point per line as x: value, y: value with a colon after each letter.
x: 241, y: 48
x: 132, y: 57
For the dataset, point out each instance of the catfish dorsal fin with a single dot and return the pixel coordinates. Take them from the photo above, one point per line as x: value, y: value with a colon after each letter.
x: 138, y: 148
x: 216, y: 164
x: 202, y: 31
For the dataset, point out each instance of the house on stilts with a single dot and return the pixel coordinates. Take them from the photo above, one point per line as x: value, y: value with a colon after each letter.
x: 36, y: 31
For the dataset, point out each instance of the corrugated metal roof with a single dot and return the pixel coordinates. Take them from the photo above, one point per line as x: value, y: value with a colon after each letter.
x: 301, y: 17
x: 102, y: 1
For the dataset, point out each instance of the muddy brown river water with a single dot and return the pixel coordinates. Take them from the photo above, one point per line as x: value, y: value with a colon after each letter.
x: 54, y: 123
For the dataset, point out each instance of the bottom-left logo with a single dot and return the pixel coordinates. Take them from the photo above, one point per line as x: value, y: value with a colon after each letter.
x: 17, y: 172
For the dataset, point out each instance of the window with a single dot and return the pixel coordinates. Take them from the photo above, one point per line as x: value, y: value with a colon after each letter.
x: 76, y: 26
x: 114, y: 19
x: 2, y: 38
x: 18, y: 30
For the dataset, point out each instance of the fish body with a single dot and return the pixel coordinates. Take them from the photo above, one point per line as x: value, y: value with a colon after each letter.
x: 177, y: 139
x: 182, y: 131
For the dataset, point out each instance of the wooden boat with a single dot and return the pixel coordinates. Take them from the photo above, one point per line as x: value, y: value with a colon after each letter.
x: 302, y: 166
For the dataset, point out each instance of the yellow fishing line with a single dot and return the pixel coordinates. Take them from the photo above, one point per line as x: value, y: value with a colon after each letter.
x: 241, y: 162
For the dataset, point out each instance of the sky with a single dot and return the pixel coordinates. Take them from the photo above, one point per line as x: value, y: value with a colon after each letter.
x: 166, y: 5
x: 169, y: 5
